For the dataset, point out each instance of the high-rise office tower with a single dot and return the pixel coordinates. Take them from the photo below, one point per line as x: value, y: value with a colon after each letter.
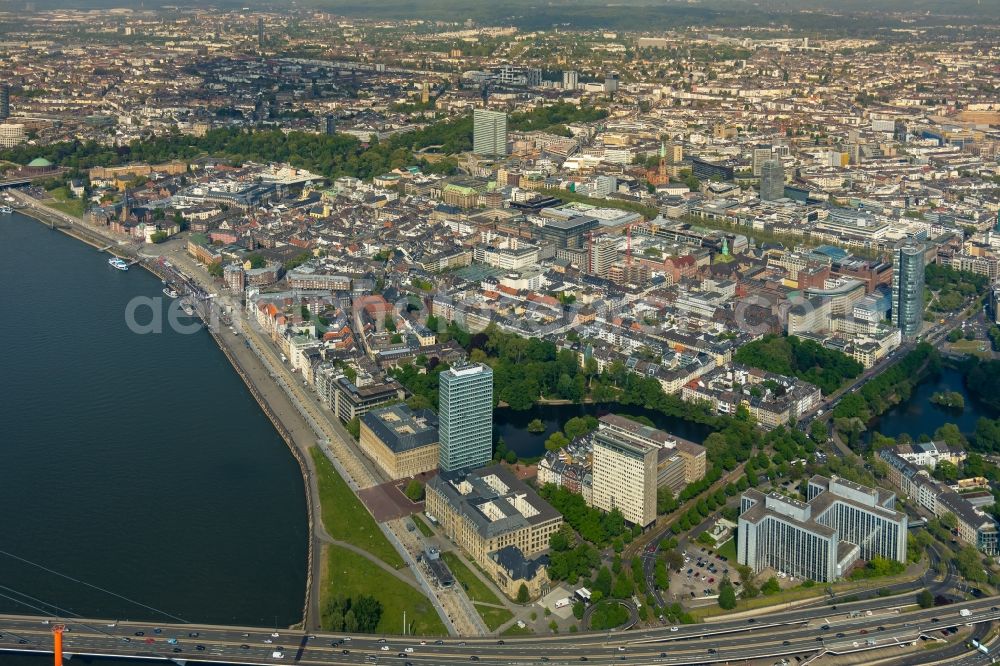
x: 489, y: 132
x: 425, y: 93
x: 625, y: 476
x: 772, y: 180
x: 571, y: 79
x: 260, y: 31
x: 761, y: 154
x: 465, y: 416
x: 908, y: 287
x: 4, y: 101
x: 331, y: 125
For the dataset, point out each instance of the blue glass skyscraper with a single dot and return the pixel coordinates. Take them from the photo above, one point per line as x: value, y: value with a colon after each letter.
x: 465, y: 401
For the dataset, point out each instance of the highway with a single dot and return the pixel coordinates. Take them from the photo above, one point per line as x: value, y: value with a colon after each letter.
x: 828, y: 630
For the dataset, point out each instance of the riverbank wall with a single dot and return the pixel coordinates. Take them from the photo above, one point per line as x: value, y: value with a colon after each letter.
x: 96, y: 239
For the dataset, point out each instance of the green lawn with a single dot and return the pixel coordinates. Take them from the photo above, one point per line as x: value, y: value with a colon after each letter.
x: 476, y: 589
x: 494, y: 617
x: 728, y: 549
x: 350, y: 574
x: 346, y: 518
x: 514, y: 630
x: 65, y: 202
x: 424, y: 528
x: 972, y: 347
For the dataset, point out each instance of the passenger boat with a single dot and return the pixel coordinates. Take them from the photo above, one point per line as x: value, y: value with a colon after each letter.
x: 120, y: 264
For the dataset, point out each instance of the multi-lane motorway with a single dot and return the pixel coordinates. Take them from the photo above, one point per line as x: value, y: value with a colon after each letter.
x: 871, y: 625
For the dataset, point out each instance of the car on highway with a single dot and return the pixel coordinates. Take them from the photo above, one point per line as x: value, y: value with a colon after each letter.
x: 193, y: 634
x: 410, y: 650
x: 244, y: 647
x: 199, y: 648
x: 673, y: 628
x: 345, y: 652
x: 840, y: 634
x: 140, y: 633
x: 275, y: 635
x: 384, y: 648
x: 176, y: 649
x: 172, y: 641
x: 157, y: 630
x: 785, y: 642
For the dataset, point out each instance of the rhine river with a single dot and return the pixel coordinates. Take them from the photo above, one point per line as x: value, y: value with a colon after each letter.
x: 135, y: 463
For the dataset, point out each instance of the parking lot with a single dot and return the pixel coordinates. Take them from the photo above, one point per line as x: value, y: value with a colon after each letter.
x: 698, y: 580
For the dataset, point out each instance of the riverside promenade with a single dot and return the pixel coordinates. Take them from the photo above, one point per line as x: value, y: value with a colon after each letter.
x: 297, y: 416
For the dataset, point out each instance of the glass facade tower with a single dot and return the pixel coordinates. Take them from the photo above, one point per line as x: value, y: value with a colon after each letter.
x: 489, y: 132
x: 908, y: 287
x: 465, y: 417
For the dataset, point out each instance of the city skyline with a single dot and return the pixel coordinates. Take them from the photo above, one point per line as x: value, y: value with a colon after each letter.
x: 500, y: 330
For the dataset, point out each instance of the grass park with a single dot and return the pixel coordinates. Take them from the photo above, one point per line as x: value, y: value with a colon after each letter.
x: 346, y: 518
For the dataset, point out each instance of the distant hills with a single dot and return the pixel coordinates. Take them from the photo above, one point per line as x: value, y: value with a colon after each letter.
x: 848, y: 16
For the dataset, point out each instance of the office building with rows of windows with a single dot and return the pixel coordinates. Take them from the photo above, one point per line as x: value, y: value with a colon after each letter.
x: 465, y: 399
x: 840, y: 524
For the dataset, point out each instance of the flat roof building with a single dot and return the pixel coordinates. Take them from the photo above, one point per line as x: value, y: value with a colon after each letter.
x: 820, y: 539
x: 403, y: 443
x: 631, y: 461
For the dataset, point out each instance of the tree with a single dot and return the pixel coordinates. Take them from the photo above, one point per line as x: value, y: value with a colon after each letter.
x: 559, y: 541
x: 818, y: 432
x: 556, y: 441
x: 354, y: 427
x: 578, y: 610
x: 623, y: 587
x: 522, y: 594
x: 925, y: 598
x: 368, y: 611
x: 770, y: 587
x: 727, y: 595
x: 602, y: 583
x: 415, y: 490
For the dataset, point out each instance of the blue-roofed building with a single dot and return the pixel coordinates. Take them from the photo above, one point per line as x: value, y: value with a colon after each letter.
x: 831, y: 252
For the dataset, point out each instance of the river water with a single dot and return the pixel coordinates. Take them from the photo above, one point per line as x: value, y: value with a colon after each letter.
x: 138, y: 464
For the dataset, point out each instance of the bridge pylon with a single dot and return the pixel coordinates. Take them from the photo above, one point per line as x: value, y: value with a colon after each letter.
x: 57, y: 650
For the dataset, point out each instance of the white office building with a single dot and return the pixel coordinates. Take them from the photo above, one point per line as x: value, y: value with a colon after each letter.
x: 489, y: 132
x: 820, y: 539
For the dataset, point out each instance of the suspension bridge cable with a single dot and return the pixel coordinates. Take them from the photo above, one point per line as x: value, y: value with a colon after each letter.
x: 95, y: 587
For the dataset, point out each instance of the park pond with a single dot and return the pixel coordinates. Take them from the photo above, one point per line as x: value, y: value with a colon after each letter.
x: 512, y: 425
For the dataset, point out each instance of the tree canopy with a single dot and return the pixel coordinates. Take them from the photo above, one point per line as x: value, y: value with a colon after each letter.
x: 792, y: 356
